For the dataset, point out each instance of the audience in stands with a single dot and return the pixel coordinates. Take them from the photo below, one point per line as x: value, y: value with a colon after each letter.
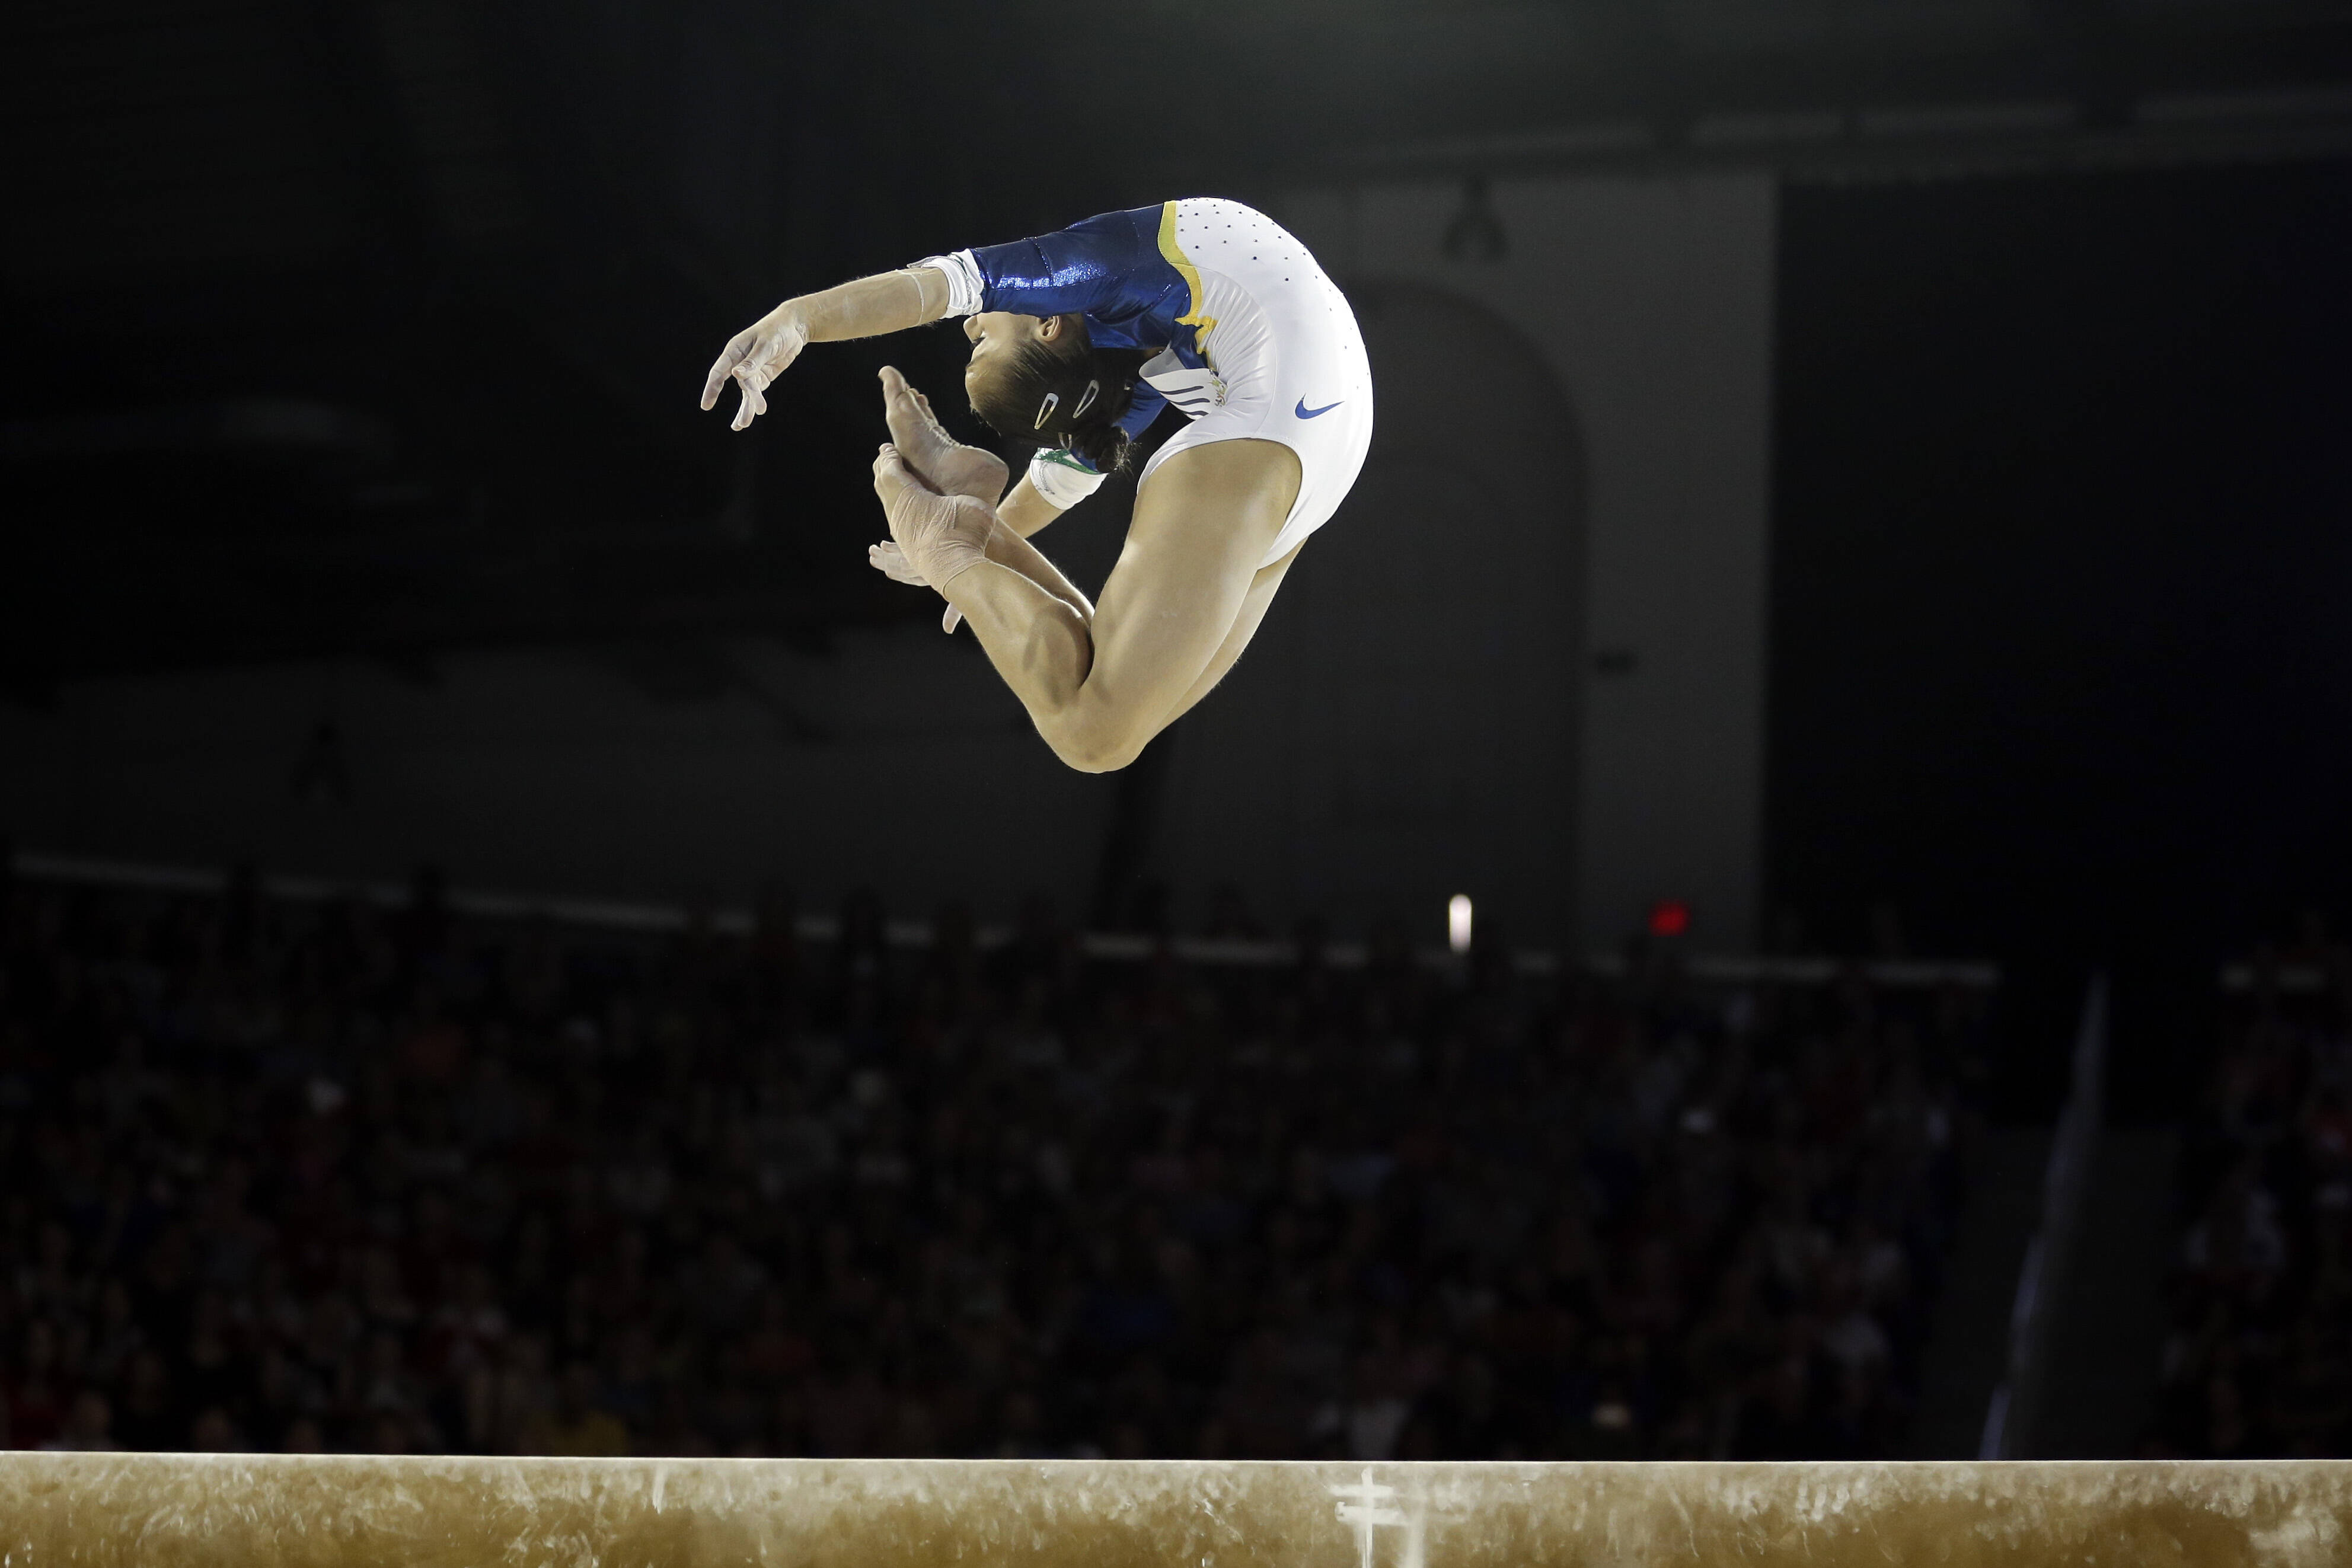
x: 2258, y: 1363
x: 327, y: 1177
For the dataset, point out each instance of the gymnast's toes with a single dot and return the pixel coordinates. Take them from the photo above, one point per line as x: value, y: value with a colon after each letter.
x: 944, y: 463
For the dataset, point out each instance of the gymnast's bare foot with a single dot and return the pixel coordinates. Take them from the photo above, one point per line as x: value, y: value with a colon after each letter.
x: 941, y: 536
x: 944, y: 464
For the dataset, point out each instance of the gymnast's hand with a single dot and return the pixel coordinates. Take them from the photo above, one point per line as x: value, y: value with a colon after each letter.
x: 891, y: 561
x: 756, y: 356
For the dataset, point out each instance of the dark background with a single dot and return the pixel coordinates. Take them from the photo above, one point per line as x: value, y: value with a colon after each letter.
x: 2063, y: 572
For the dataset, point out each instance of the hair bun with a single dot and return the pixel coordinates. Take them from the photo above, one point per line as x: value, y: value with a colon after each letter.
x: 1105, y: 448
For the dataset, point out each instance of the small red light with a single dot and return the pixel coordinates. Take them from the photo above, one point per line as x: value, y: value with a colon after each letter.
x: 1669, y: 917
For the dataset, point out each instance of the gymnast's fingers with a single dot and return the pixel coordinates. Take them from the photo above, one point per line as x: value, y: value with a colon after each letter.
x: 724, y: 365
x: 755, y: 401
x: 891, y: 561
x: 951, y: 619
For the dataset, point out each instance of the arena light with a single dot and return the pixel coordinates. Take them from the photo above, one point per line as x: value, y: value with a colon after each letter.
x: 1457, y: 923
x: 1669, y: 917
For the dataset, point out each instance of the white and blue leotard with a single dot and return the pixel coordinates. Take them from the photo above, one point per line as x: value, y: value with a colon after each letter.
x: 1249, y: 340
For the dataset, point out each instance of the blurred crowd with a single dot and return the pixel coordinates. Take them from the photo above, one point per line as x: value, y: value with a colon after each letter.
x: 2259, y: 1361
x: 331, y: 1177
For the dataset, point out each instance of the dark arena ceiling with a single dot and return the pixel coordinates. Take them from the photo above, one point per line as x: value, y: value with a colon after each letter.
x: 374, y: 330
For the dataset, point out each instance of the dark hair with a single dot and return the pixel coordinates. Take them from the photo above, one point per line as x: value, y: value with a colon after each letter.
x: 1063, y: 395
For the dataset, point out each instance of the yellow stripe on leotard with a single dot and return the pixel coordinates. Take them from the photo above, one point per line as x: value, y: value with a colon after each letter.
x: 1174, y: 254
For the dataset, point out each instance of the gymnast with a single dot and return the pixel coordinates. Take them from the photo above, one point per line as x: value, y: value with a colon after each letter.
x: 1079, y: 340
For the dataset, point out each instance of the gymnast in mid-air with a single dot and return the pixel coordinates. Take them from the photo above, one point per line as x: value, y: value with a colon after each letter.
x: 1079, y: 340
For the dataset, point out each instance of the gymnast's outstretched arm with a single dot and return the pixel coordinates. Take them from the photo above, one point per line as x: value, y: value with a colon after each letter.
x: 869, y: 307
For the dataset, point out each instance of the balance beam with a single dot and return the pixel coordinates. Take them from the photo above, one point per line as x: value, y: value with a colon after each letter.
x: 181, y: 1511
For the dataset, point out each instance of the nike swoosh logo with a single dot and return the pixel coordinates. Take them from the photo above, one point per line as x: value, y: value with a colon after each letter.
x: 1306, y: 413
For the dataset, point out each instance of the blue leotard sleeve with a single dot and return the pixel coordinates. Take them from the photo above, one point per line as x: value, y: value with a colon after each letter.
x: 1109, y: 269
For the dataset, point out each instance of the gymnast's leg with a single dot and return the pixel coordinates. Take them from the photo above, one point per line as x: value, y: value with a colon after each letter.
x: 1099, y: 689
x: 1253, y: 607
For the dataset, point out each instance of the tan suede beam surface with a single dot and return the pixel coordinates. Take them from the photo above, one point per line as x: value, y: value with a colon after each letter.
x: 255, y: 1511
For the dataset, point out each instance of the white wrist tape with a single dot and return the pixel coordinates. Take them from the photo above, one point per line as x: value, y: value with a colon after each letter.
x: 963, y: 280
x: 1060, y: 480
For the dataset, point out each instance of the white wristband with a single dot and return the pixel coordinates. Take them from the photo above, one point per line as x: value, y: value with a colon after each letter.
x: 963, y: 280
x: 1059, y: 479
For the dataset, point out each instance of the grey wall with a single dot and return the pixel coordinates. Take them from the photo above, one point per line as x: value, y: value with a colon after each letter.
x: 1650, y: 300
